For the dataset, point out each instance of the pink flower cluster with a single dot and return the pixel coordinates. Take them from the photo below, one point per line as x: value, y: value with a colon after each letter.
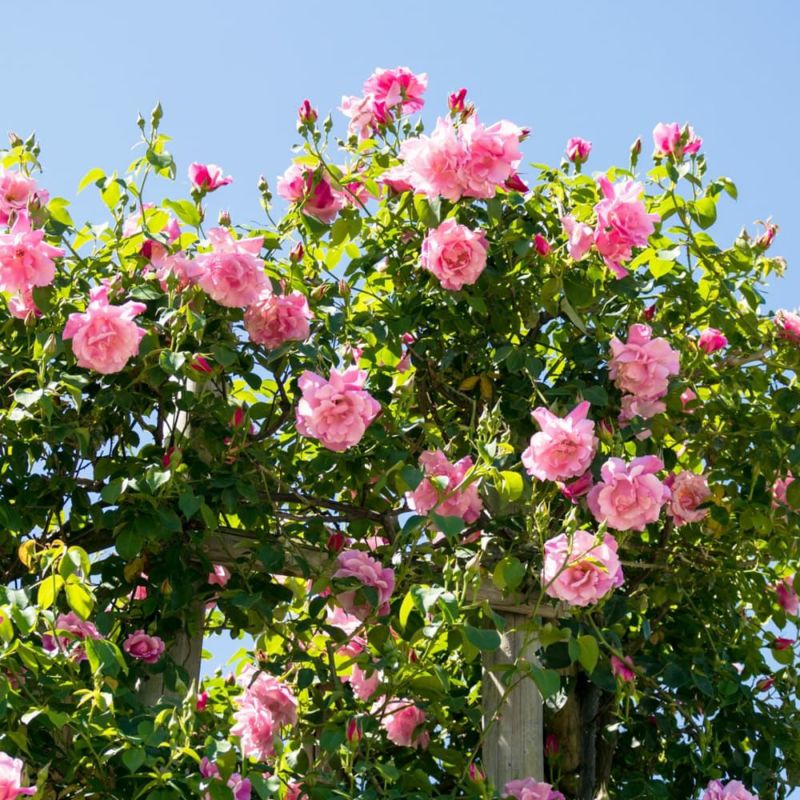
x: 311, y: 191
x: 11, y: 778
x: 581, y: 569
x: 17, y: 191
x: 688, y: 491
x: 232, y: 274
x: 369, y: 572
x: 277, y: 318
x: 438, y: 492
x: 401, y: 720
x: 262, y: 710
x: 336, y: 411
x: 531, y: 789
x: 455, y: 254
x: 670, y: 139
x: 71, y: 630
x: 104, y: 337
x: 565, y: 446
x: 732, y: 790
x: 143, y: 647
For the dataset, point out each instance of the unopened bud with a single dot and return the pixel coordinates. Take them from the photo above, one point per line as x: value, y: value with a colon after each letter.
x: 263, y: 188
x: 318, y: 292
x: 354, y: 733
x: 344, y: 288
x: 296, y: 253
x: 306, y: 114
x: 457, y: 101
x: 14, y: 140
x: 224, y: 218
x: 476, y: 774
x: 551, y: 746
x: 335, y: 542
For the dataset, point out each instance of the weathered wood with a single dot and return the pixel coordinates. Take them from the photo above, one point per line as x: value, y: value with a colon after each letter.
x: 513, y: 744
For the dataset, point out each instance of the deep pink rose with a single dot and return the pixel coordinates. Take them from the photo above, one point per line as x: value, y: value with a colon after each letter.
x: 16, y: 191
x: 104, y: 337
x: 732, y: 790
x: 578, y: 150
x: 622, y: 222
x: 143, y: 647
x: 491, y: 156
x: 22, y: 305
x: 456, y: 101
x: 582, y: 569
x: 580, y: 237
x: 307, y: 114
x: 779, y: 488
x: 531, y: 789
x: 219, y: 576
x: 400, y: 720
x: 541, y: 245
x: 455, y: 254
x: 397, y: 87
x: 438, y: 491
x: 431, y: 164
x: 278, y: 318
x: 667, y: 139
x: 788, y: 325
x: 689, y: 490
x: 240, y: 787
x: 208, y: 769
x: 311, y: 192
x: 578, y: 488
x: 564, y: 447
x: 643, y: 365
x: 622, y: 668
x: 629, y: 496
x: 232, y: 274
x: 369, y: 572
x: 11, y: 778
x: 782, y: 643
x: 207, y: 177
x: 515, y: 184
x: 787, y: 596
x: 711, y: 340
x: 764, y: 241
x: 336, y: 411
x: 26, y: 260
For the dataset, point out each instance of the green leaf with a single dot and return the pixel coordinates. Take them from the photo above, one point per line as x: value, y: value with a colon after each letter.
x: 793, y: 494
x: 589, y: 652
x: 185, y: 211
x: 92, y: 176
x: 128, y: 543
x: 79, y: 598
x: 705, y: 212
x: 449, y: 526
x: 189, y: 504
x: 547, y: 681
x: 482, y: 638
x: 58, y: 211
x: 508, y: 573
x: 659, y: 267
x: 425, y: 212
x: 134, y: 758
x: 49, y: 589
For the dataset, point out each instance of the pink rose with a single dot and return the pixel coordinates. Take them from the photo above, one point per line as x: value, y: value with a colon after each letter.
x: 336, y: 411
x: 531, y: 789
x: 491, y: 156
x: 711, y: 340
x: 442, y: 495
x: 207, y: 177
x: 363, y: 114
x: 779, y: 489
x: 401, y: 719
x: 764, y: 241
x: 431, y: 164
x: 397, y: 87
x: 232, y: 274
x: 578, y: 488
x: 667, y: 139
x: 689, y: 490
x: 208, y: 769
x: 311, y: 192
x: 76, y: 629
x: 104, y: 337
x: 240, y: 787
x: 565, y: 446
x: 278, y: 318
x: 630, y: 495
x: 179, y: 267
x: 22, y: 305
x: 582, y: 569
x: 622, y: 668
x: 732, y: 790
x: 11, y: 778
x: 307, y: 114
x: 643, y: 365
x: 202, y: 701
x: 219, y: 576
x: 622, y: 222
x: 578, y: 150
x: 580, y: 237
x: 364, y: 687
x: 17, y: 190
x: 294, y: 791
x: 541, y: 245
x: 270, y: 693
x: 787, y: 596
x: 369, y: 572
x: 25, y: 259
x: 788, y: 325
x: 643, y: 407
x: 455, y: 254
x: 143, y: 647
x: 688, y: 396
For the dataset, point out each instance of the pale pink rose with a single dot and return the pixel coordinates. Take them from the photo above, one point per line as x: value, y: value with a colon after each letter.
x: 688, y: 396
x: 11, y: 778
x: 207, y: 177
x: 580, y: 237
x: 294, y: 791
x: 779, y: 488
x: 787, y: 596
x: 143, y: 647
x: 667, y: 140
x: 399, y: 86
x: 441, y: 495
x: 26, y: 260
x: 531, y: 789
x: 270, y: 693
x: 711, y: 340
x: 578, y: 149
x: 311, y: 192
x: 629, y: 496
x: 178, y: 266
x: 278, y: 318
x: 219, y: 576
x: 688, y: 491
x: 541, y: 245
x: 643, y: 407
x: 336, y: 411
x: 22, y: 305
x: 401, y: 719
x: 788, y: 325
x: 455, y: 254
x: 257, y: 730
x: 578, y: 488
x: 491, y: 156
x: 364, y: 685
x: 348, y: 623
x: 369, y: 572
x: 582, y: 569
x: 240, y: 787
x: 622, y: 222
x: 564, y: 447
x: 364, y: 116
x: 431, y: 164
x: 17, y: 190
x: 105, y: 337
x: 232, y: 274
x: 397, y: 179
x: 643, y: 365
x: 732, y: 790
x: 622, y: 668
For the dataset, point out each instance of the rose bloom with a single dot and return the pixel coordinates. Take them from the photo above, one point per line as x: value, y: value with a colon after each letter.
x: 104, y: 337
x: 76, y: 629
x: 491, y: 156
x: 788, y: 325
x: 143, y: 647
x: 642, y: 366
x: 667, y: 139
x: 364, y: 686
x: 369, y: 572
x: 711, y: 340
x: 642, y: 407
x: 622, y: 222
x: 541, y: 245
x: 428, y: 496
x: 582, y: 569
x: 278, y: 318
x: 178, y: 266
x: 578, y: 488
x: 270, y: 693
x: 630, y: 495
x: 431, y: 164
x: 565, y: 446
x: 232, y: 274
x: 531, y: 789
x: 336, y: 411
x: 578, y: 149
x: 732, y: 790
x: 312, y: 192
x: 26, y: 260
x: 11, y: 778
x: 400, y: 719
x: 779, y: 489
x: 363, y: 114
x: 219, y: 576
x: 622, y: 668
x: 580, y: 237
x: 688, y: 396
x: 22, y: 305
x: 240, y: 787
x: 397, y: 87
x: 787, y: 596
x: 257, y: 730
x: 294, y: 791
x: 455, y: 254
x: 689, y: 490
x: 16, y: 191
x: 207, y: 177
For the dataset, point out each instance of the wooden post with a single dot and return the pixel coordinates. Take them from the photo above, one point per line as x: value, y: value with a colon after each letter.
x: 513, y: 747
